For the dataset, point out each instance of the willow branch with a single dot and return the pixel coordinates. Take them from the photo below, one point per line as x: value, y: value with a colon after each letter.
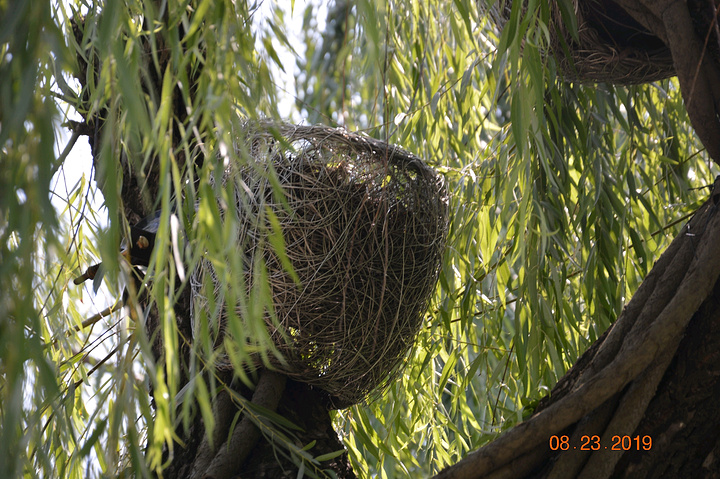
x: 636, y: 354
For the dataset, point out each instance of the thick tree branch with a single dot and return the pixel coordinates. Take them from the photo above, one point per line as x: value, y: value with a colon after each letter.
x: 628, y: 415
x: 231, y: 456
x: 223, y: 412
x: 569, y: 465
x: 698, y: 73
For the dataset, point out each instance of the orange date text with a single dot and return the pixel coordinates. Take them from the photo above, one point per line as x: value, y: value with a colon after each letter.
x: 595, y: 443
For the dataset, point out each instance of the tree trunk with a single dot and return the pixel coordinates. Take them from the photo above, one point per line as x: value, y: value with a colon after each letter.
x: 253, y: 455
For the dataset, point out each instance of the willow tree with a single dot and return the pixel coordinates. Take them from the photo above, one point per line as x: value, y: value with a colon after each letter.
x: 564, y: 195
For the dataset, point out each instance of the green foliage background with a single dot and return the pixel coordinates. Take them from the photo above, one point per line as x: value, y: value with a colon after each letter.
x: 563, y: 195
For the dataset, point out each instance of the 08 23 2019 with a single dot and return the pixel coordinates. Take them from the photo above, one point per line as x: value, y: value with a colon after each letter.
x: 596, y: 443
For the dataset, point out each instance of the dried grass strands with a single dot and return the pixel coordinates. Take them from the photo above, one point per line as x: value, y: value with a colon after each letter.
x: 365, y: 230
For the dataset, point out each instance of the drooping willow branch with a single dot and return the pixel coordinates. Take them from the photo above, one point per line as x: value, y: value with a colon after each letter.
x: 635, y: 353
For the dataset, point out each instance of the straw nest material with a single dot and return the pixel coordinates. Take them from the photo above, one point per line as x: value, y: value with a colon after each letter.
x: 610, y: 46
x: 364, y: 226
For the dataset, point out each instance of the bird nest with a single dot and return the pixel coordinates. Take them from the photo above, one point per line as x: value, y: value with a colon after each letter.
x: 610, y: 45
x: 364, y: 226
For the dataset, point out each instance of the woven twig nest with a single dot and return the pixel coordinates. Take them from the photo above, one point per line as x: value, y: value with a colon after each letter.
x: 610, y: 46
x: 365, y: 225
